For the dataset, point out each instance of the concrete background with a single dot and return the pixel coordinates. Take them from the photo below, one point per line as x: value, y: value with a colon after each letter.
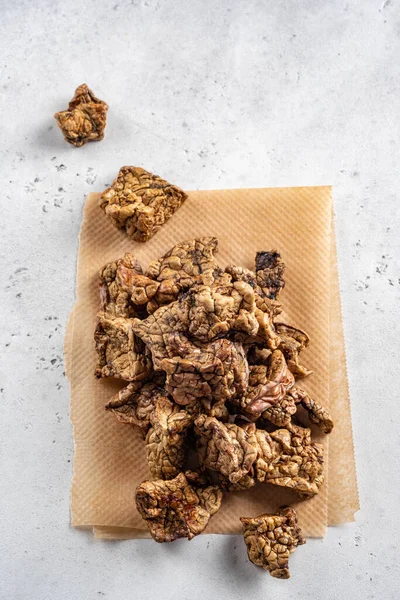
x: 210, y: 95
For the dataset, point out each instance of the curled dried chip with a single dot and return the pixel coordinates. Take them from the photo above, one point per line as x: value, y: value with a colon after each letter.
x: 288, y: 458
x: 281, y: 412
x: 225, y: 447
x: 201, y: 314
x: 85, y: 119
x: 271, y: 539
x: 186, y: 264
x: 269, y: 272
x: 204, y: 349
x: 268, y: 385
x: 177, y: 508
x: 210, y: 372
x: 317, y: 414
x: 140, y: 202
x: 116, y: 284
x: 135, y: 403
x: 265, y: 312
x: 292, y: 342
x: 166, y: 439
x: 120, y: 353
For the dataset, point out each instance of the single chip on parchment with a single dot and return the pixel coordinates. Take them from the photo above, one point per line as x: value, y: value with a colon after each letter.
x: 85, y: 119
x: 140, y: 202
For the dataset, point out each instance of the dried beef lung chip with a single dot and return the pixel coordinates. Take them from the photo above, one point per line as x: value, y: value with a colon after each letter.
x: 140, y: 202
x: 226, y: 448
x: 202, y: 313
x: 166, y: 440
x: 177, y: 508
x: 269, y: 270
x: 288, y: 458
x: 85, y: 119
x: 266, y: 310
x: 242, y: 455
x: 271, y: 539
x: 292, y: 342
x: 186, y: 264
x: 135, y: 403
x: 268, y: 385
x: 117, y: 280
x: 212, y: 373
x: 120, y: 353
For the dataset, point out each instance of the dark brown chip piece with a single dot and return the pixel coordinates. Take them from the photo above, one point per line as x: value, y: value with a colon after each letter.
x: 269, y: 271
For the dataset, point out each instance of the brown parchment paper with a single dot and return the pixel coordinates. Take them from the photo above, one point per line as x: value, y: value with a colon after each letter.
x: 109, y: 457
x: 343, y: 499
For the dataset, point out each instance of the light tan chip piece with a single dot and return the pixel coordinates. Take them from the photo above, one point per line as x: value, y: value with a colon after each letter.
x: 85, y: 119
x: 120, y: 353
x: 271, y: 539
x: 140, y: 202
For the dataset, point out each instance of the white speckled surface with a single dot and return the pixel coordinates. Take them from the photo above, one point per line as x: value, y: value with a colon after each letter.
x: 208, y: 94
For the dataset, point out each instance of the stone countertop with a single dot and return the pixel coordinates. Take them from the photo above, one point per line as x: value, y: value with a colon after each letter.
x: 209, y: 95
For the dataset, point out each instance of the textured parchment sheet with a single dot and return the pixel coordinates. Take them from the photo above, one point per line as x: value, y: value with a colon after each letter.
x: 109, y: 457
x: 343, y: 499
